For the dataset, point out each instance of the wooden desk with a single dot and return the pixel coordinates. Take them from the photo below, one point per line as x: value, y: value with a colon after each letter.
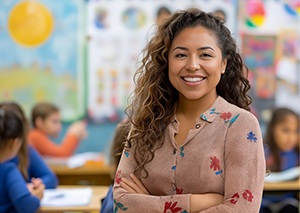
x: 89, y: 175
x: 283, y: 186
x: 99, y: 192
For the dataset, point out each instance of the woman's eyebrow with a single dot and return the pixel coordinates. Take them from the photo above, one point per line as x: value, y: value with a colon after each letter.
x: 179, y: 47
x: 201, y: 48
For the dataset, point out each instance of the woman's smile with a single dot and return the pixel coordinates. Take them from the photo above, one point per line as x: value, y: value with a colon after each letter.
x: 193, y: 80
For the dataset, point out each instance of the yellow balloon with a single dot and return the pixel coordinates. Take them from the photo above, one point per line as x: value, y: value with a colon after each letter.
x: 30, y: 23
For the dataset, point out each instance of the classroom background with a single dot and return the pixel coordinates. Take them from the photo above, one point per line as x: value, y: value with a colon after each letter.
x: 82, y: 55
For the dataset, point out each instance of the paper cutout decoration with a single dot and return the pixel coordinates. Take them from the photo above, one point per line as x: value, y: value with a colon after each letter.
x: 134, y: 18
x: 30, y: 23
x: 292, y: 7
x: 256, y: 13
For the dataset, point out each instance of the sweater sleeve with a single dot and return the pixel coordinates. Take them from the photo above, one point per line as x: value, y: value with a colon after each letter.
x: 20, y: 197
x: 39, y: 169
x: 133, y: 203
x: 244, y: 171
x: 45, y: 146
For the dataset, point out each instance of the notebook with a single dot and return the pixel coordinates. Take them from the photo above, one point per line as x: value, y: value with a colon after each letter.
x: 67, y: 197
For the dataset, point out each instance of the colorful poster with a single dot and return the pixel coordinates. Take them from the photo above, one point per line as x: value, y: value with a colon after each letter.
x: 41, y: 54
x: 288, y: 44
x: 118, y: 31
x: 268, y: 16
x: 271, y: 26
x: 259, y: 56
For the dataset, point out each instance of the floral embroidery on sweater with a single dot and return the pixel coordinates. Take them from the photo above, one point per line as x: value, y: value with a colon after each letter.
x: 225, y: 116
x: 171, y: 208
x: 179, y: 191
x: 215, y: 165
x: 235, y: 198
x: 204, y: 117
x: 231, y: 121
x: 247, y: 195
x: 119, y: 206
x: 118, y: 177
x: 251, y: 137
x: 181, y: 151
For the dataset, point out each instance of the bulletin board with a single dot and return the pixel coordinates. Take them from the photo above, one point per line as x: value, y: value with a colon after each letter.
x: 41, y: 54
x: 118, y: 31
x: 270, y: 45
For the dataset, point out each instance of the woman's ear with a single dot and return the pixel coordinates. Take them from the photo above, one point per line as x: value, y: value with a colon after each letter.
x: 224, y: 64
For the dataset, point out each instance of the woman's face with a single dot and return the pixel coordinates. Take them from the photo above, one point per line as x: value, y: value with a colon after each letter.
x: 286, y: 133
x: 195, y: 63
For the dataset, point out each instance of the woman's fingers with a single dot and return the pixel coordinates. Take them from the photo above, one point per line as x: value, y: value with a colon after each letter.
x: 127, y: 188
x: 139, y: 184
x: 132, y: 185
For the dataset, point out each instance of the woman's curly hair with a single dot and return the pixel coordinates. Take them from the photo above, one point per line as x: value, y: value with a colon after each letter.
x: 154, y: 99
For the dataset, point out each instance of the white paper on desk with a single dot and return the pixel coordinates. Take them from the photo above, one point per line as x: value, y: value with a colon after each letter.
x: 79, y: 160
x: 286, y: 175
x: 67, y: 197
x: 76, y: 160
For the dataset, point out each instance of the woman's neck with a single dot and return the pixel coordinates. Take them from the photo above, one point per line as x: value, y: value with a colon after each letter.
x: 192, y: 109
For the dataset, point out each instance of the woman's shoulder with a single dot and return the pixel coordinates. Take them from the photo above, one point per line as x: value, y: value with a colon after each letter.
x: 240, y: 114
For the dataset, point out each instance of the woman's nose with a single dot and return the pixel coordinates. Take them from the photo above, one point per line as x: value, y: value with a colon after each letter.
x: 193, y: 64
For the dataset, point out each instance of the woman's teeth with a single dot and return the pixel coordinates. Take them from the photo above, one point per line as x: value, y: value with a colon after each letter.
x: 193, y: 79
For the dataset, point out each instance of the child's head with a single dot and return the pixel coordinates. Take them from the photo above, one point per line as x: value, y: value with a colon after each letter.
x: 23, y: 152
x: 162, y: 14
x: 282, y: 134
x: 283, y: 130
x: 12, y: 133
x: 46, y: 118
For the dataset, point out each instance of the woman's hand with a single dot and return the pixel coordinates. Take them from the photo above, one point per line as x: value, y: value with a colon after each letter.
x: 200, y: 202
x: 135, y: 186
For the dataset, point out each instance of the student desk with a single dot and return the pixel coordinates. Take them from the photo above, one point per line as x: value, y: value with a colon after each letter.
x: 283, y: 186
x: 271, y: 188
x: 85, y: 175
x: 99, y: 192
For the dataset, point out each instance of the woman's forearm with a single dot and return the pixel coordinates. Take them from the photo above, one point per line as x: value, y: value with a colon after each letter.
x: 200, y: 202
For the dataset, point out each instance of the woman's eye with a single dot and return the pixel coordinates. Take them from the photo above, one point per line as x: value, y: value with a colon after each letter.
x: 180, y: 55
x: 205, y: 55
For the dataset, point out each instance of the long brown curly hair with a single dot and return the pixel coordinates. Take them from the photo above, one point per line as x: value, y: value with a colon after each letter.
x: 153, y: 102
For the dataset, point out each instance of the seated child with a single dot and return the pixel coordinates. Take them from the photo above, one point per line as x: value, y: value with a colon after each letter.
x: 15, y: 195
x: 282, y: 138
x: 29, y: 162
x: 46, y: 123
x: 120, y: 137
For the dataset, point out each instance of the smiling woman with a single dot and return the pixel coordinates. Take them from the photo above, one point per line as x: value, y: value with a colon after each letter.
x: 189, y: 148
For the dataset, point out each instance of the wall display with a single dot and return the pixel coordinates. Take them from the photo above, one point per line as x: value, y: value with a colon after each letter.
x: 118, y: 31
x: 259, y: 56
x: 41, y: 54
x: 270, y: 45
